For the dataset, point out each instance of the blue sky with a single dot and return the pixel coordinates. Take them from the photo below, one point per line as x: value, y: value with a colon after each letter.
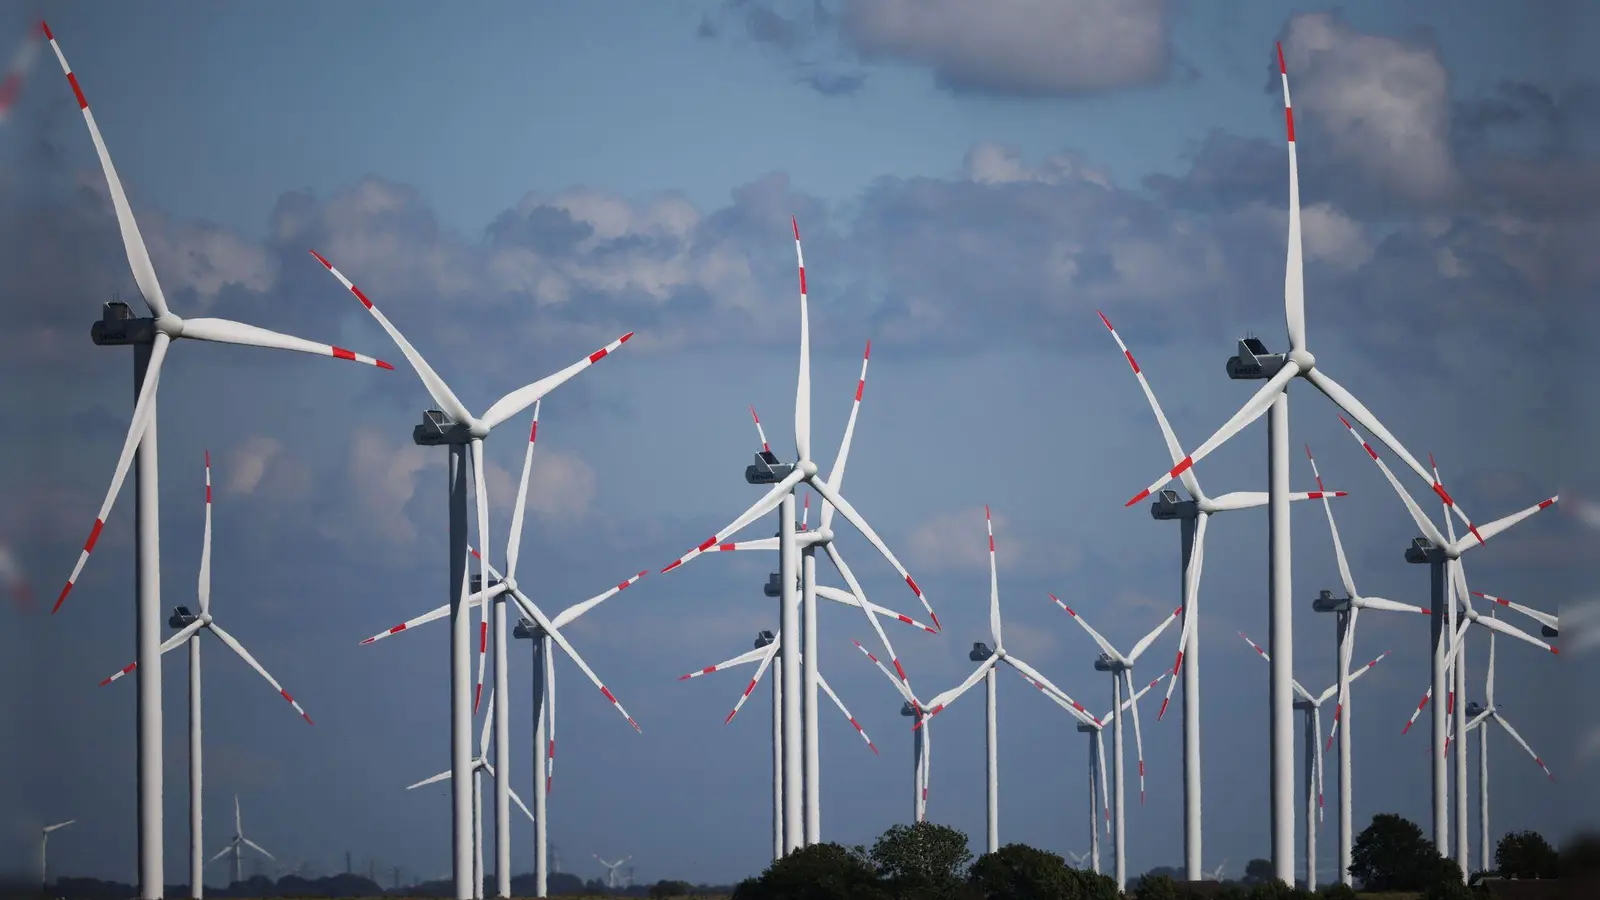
x: 517, y: 185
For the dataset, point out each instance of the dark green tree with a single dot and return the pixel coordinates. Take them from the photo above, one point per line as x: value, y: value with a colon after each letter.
x: 1258, y: 871
x: 1525, y: 854
x: 1157, y: 887
x: 818, y: 872
x: 1338, y: 891
x: 1273, y: 889
x: 664, y: 889
x: 922, y: 860
x: 1391, y: 854
x: 1447, y: 882
x: 1020, y: 872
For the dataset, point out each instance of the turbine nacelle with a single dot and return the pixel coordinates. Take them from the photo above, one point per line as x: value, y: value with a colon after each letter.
x: 774, y: 585
x: 1326, y: 602
x: 438, y: 430
x: 980, y: 652
x: 527, y: 629
x: 1254, y: 362
x: 767, y: 469
x: 1424, y: 552
x: 119, y: 327
x: 906, y: 709
x: 1104, y: 663
x: 765, y: 639
x: 181, y: 618
x: 1169, y: 506
x: 1549, y: 632
x: 1474, y: 709
x: 1303, y: 705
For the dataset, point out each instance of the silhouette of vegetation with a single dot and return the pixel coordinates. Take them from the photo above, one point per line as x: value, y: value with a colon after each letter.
x: 1392, y: 854
x: 922, y: 860
x: 1525, y: 854
x: 1020, y: 872
x: 1258, y: 871
x: 818, y: 872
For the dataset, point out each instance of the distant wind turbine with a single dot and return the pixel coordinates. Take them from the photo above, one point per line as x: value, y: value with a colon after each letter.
x: 237, y: 845
x: 44, y: 850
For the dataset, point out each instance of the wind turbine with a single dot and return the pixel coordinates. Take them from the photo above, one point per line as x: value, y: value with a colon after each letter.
x: 1443, y: 557
x: 1312, y: 707
x: 1254, y: 362
x: 452, y: 424
x: 237, y: 844
x: 480, y: 765
x: 150, y: 338
x: 1481, y: 716
x: 1216, y: 874
x: 921, y: 739
x: 987, y: 660
x: 803, y: 787
x: 543, y: 630
x: 1192, y: 515
x: 1347, y: 611
x: 1121, y: 668
x: 1094, y: 728
x: 1078, y: 859
x: 44, y: 851
x: 1551, y: 625
x: 611, y: 869
x: 189, y: 627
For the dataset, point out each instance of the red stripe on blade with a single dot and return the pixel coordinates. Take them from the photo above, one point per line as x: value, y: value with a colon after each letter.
x: 341, y: 353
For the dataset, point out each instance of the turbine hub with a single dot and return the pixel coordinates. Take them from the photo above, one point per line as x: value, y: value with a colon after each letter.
x: 1303, y: 359
x: 809, y: 467
x: 169, y: 325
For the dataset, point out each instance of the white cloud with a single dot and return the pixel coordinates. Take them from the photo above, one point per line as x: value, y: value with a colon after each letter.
x: 992, y: 163
x: 1018, y: 46
x: 958, y: 540
x: 381, y: 479
x: 248, y: 462
x: 1378, y: 101
x: 560, y: 486
x: 1333, y: 237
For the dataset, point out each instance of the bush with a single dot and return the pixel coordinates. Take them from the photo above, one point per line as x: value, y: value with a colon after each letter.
x: 1339, y: 891
x: 1275, y: 890
x: 1447, y: 883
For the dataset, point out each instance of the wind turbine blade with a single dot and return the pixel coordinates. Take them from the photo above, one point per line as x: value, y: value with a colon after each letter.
x: 761, y: 507
x: 187, y: 632
x: 823, y: 683
x: 1197, y: 557
x: 258, y: 848
x: 523, y: 397
x: 1364, y: 417
x: 203, y: 589
x: 802, y: 392
x: 59, y: 825
x: 1147, y: 640
x: 1522, y: 743
x: 899, y: 685
x: 1266, y: 657
x: 1344, y: 666
x: 1105, y: 645
x: 836, y: 474
x: 1417, y: 516
x: 1190, y: 482
x: 220, y: 854
x: 1248, y: 413
x: 1542, y: 618
x: 848, y: 599
x: 1316, y: 729
x: 488, y: 725
x: 1257, y: 499
x: 435, y: 386
x: 760, y: 432
x: 514, y: 545
x: 578, y: 609
x: 426, y: 781
x: 1498, y: 525
x: 1390, y: 606
x: 940, y: 701
x: 1078, y: 712
x: 872, y: 620
x: 1294, y: 286
x: 437, y: 613
x: 770, y: 545
x: 143, y: 410
x: 520, y: 805
x: 767, y: 653
x: 749, y: 656
x: 550, y: 718
x: 1368, y: 667
x: 238, y: 820
x: 251, y: 661
x: 532, y: 612
x: 1100, y: 763
x: 1488, y: 687
x: 1138, y: 733
x: 994, y: 583
x: 1512, y: 631
x: 226, y: 331
x: 1333, y: 528
x: 481, y: 496
x: 144, y: 273
x: 854, y: 518
x: 1023, y: 667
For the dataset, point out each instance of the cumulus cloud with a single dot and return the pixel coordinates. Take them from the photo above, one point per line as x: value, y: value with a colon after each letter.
x: 561, y: 487
x: 380, y: 478
x: 248, y: 463
x: 958, y: 540
x: 1021, y: 47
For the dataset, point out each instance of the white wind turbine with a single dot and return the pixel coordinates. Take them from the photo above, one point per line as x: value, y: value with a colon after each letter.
x: 921, y: 739
x: 543, y: 630
x: 1252, y: 363
x: 1312, y: 707
x: 987, y: 660
x: 189, y: 627
x: 150, y: 338
x: 237, y: 844
x: 1078, y: 859
x: 1192, y: 515
x: 1121, y: 668
x: 1443, y: 555
x: 1481, y: 716
x: 44, y: 850
x: 1099, y: 795
x: 1348, y: 611
x: 1550, y: 624
x: 454, y: 425
x: 1216, y: 874
x: 480, y: 765
x: 611, y: 869
x: 801, y: 788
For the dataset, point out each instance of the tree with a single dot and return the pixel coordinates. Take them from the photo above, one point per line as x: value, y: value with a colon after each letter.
x: 1447, y: 882
x: 1258, y: 871
x: 1339, y: 891
x: 1525, y: 854
x: 1157, y: 887
x: 924, y: 860
x: 817, y: 872
x: 1020, y: 872
x: 663, y: 889
x: 1392, y: 855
